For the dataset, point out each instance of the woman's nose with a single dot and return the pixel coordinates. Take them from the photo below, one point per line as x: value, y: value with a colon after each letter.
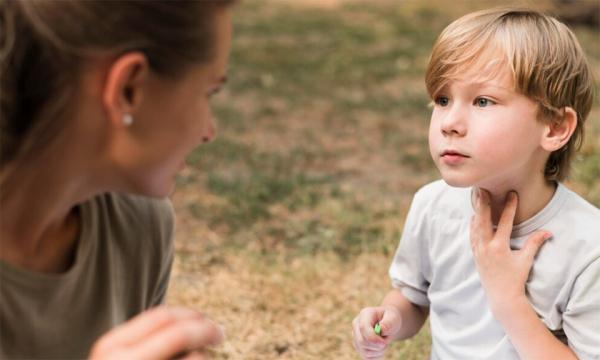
x: 210, y: 130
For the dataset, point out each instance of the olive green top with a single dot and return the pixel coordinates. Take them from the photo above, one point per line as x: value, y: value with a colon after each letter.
x: 121, y: 267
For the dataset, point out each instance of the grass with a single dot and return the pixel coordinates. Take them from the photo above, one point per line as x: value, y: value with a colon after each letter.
x: 287, y: 222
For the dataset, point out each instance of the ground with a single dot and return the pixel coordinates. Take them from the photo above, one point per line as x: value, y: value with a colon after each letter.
x: 286, y: 224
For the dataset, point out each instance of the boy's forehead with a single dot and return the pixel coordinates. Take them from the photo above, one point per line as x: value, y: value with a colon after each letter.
x: 489, y: 69
x: 502, y: 78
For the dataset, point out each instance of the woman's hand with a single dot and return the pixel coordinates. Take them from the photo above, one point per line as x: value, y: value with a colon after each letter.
x: 503, y: 272
x: 160, y: 333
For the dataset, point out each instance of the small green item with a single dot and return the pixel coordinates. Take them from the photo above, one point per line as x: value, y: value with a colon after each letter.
x: 377, y: 329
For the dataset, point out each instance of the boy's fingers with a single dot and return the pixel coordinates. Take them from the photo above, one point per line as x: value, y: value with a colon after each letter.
x: 483, y: 216
x: 374, y: 356
x: 475, y: 234
x: 358, y: 328
x: 368, y: 346
x: 390, y: 323
x: 507, y: 218
x: 357, y: 335
x: 367, y: 320
x: 361, y: 343
x: 534, y: 243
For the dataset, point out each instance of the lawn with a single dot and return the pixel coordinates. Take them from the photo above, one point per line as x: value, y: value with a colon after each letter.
x: 287, y: 222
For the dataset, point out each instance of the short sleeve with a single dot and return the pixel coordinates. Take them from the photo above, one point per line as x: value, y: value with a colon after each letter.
x: 410, y: 265
x: 165, y: 230
x: 581, y: 318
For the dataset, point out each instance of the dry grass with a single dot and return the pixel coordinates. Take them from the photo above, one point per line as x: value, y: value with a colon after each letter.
x: 285, y: 308
x: 287, y: 223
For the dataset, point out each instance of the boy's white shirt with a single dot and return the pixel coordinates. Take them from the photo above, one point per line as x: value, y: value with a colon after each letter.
x: 434, y: 267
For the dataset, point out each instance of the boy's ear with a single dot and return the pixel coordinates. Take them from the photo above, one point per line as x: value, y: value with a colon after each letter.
x: 124, y: 86
x: 559, y: 130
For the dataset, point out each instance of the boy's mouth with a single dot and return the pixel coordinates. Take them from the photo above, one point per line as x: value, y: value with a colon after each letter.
x: 453, y: 153
x: 453, y: 157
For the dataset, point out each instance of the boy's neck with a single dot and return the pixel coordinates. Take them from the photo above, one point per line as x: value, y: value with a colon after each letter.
x: 533, y: 197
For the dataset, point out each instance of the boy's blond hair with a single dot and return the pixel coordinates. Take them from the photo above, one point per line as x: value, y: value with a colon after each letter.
x: 546, y: 61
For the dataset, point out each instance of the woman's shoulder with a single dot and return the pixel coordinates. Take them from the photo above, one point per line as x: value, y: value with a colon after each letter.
x: 135, y: 204
x: 135, y: 209
x: 129, y: 217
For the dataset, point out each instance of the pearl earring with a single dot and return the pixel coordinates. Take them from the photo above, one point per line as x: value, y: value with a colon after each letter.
x: 127, y: 119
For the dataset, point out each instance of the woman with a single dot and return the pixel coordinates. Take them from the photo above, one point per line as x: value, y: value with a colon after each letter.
x: 100, y: 104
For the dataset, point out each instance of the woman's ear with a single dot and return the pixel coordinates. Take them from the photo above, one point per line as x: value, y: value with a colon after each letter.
x: 559, y: 130
x: 124, y: 87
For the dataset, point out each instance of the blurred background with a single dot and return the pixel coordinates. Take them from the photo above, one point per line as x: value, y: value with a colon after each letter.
x: 288, y: 221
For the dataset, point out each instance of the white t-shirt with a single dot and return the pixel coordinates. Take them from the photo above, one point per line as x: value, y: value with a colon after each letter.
x: 434, y: 267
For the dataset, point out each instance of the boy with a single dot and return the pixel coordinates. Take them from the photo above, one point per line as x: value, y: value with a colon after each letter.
x: 511, y: 90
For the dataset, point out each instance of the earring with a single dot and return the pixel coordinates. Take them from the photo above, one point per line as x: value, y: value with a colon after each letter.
x: 127, y: 119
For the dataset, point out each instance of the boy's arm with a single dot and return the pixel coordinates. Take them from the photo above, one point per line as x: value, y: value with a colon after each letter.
x: 503, y: 273
x: 529, y: 335
x: 412, y: 316
x: 398, y: 319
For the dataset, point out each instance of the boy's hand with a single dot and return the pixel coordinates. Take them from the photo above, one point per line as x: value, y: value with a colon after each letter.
x: 160, y: 333
x: 368, y: 344
x: 503, y: 272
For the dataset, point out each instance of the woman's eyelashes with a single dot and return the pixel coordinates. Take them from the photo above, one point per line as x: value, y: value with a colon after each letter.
x: 217, y: 87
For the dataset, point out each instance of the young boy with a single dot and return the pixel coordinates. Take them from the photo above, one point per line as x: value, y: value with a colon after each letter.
x: 511, y: 90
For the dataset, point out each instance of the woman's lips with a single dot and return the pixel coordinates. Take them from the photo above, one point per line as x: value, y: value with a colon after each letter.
x: 453, y: 157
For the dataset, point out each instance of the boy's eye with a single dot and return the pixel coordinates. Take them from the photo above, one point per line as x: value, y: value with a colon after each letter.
x: 483, y: 102
x: 442, y: 101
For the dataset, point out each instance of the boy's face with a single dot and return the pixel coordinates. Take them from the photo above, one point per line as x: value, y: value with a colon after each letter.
x: 483, y: 133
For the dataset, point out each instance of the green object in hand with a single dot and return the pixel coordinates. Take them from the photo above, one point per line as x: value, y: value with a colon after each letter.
x: 377, y: 329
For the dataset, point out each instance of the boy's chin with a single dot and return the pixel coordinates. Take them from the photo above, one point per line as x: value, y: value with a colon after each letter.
x: 456, y: 182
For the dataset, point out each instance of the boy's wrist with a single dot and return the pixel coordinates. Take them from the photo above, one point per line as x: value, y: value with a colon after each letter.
x: 509, y: 309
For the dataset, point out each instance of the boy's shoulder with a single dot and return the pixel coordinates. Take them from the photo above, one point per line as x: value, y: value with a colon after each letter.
x: 577, y: 203
x: 582, y: 217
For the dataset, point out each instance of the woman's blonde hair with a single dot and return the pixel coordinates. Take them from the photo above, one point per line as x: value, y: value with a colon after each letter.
x: 546, y: 61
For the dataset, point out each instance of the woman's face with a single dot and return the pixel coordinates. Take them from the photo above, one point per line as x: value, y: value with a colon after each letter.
x: 175, y: 116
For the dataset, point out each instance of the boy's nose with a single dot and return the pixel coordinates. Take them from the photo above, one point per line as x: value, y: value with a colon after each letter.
x: 454, y: 124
